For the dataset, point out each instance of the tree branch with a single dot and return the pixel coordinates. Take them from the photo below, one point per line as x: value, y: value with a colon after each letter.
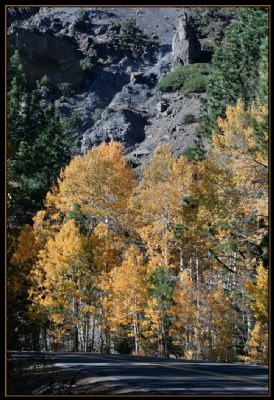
x: 221, y: 262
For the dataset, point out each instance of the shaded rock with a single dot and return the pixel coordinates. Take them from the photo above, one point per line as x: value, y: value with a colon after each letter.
x: 161, y: 106
x: 58, y: 57
x: 125, y: 126
x: 186, y: 48
x: 140, y: 152
x: 20, y: 13
x: 135, y: 76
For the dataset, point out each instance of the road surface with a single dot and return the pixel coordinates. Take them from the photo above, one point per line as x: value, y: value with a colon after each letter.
x: 126, y: 375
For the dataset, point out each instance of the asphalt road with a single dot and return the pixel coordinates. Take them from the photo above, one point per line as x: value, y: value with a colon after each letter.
x: 150, y: 375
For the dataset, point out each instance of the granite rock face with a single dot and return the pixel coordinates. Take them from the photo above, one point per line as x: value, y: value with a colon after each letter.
x: 186, y: 48
x: 45, y: 53
x: 119, y: 74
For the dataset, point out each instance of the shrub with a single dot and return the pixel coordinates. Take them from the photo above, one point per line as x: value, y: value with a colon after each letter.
x: 45, y: 81
x: 96, y: 115
x: 189, y: 119
x: 195, y: 152
x: 128, y: 29
x: 80, y: 15
x: 66, y: 88
x: 86, y: 64
x: 188, y: 78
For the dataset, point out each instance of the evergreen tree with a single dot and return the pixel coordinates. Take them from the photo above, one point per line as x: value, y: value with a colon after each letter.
x: 16, y: 91
x: 236, y: 69
x: 261, y: 126
x: 38, y: 148
x: 236, y: 64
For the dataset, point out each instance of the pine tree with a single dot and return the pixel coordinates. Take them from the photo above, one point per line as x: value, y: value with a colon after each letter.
x: 236, y: 65
x: 261, y: 126
x: 16, y: 92
x: 37, y: 147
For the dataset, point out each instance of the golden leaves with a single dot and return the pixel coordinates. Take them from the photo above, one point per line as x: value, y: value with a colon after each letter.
x: 258, y: 294
x: 100, y: 181
x: 28, y: 246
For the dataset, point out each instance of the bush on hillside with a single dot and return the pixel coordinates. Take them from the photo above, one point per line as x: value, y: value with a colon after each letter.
x: 96, y: 115
x: 86, y: 64
x: 188, y: 79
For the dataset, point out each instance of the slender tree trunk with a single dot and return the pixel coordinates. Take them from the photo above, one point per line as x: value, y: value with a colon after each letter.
x: 198, y: 305
x: 75, y: 311
x: 249, y: 323
x: 135, y: 337
x: 210, y: 311
x: 93, y: 335
x: 86, y: 333
x: 45, y: 337
x: 76, y: 340
x: 181, y: 261
x: 190, y: 267
x: 164, y: 337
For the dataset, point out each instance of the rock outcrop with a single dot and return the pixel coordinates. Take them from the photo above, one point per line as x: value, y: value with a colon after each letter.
x: 186, y: 48
x: 45, y: 53
x: 92, y: 67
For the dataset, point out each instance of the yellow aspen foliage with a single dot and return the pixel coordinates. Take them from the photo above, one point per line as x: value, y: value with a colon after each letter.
x: 46, y: 223
x: 28, y: 246
x: 237, y: 149
x: 217, y: 329
x: 184, y: 312
x: 157, y: 203
x: 108, y: 246
x: 258, y: 294
x: 232, y: 189
x: 107, y: 249
x: 63, y: 279
x: 100, y: 182
x: 129, y: 289
x: 152, y: 327
x: 257, y: 346
x: 22, y: 259
x: 152, y: 319
x: 198, y: 318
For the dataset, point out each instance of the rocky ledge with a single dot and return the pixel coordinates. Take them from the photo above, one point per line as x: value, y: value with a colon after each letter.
x: 104, y: 63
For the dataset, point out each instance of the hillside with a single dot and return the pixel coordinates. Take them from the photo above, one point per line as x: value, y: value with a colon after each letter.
x: 54, y: 41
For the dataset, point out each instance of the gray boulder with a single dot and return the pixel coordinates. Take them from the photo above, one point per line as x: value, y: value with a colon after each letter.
x: 125, y: 126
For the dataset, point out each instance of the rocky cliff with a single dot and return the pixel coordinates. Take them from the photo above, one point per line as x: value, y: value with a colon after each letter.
x: 186, y: 48
x: 105, y: 63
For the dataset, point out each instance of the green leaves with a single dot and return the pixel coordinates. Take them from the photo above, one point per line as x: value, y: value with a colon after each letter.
x: 162, y: 286
x: 188, y: 78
